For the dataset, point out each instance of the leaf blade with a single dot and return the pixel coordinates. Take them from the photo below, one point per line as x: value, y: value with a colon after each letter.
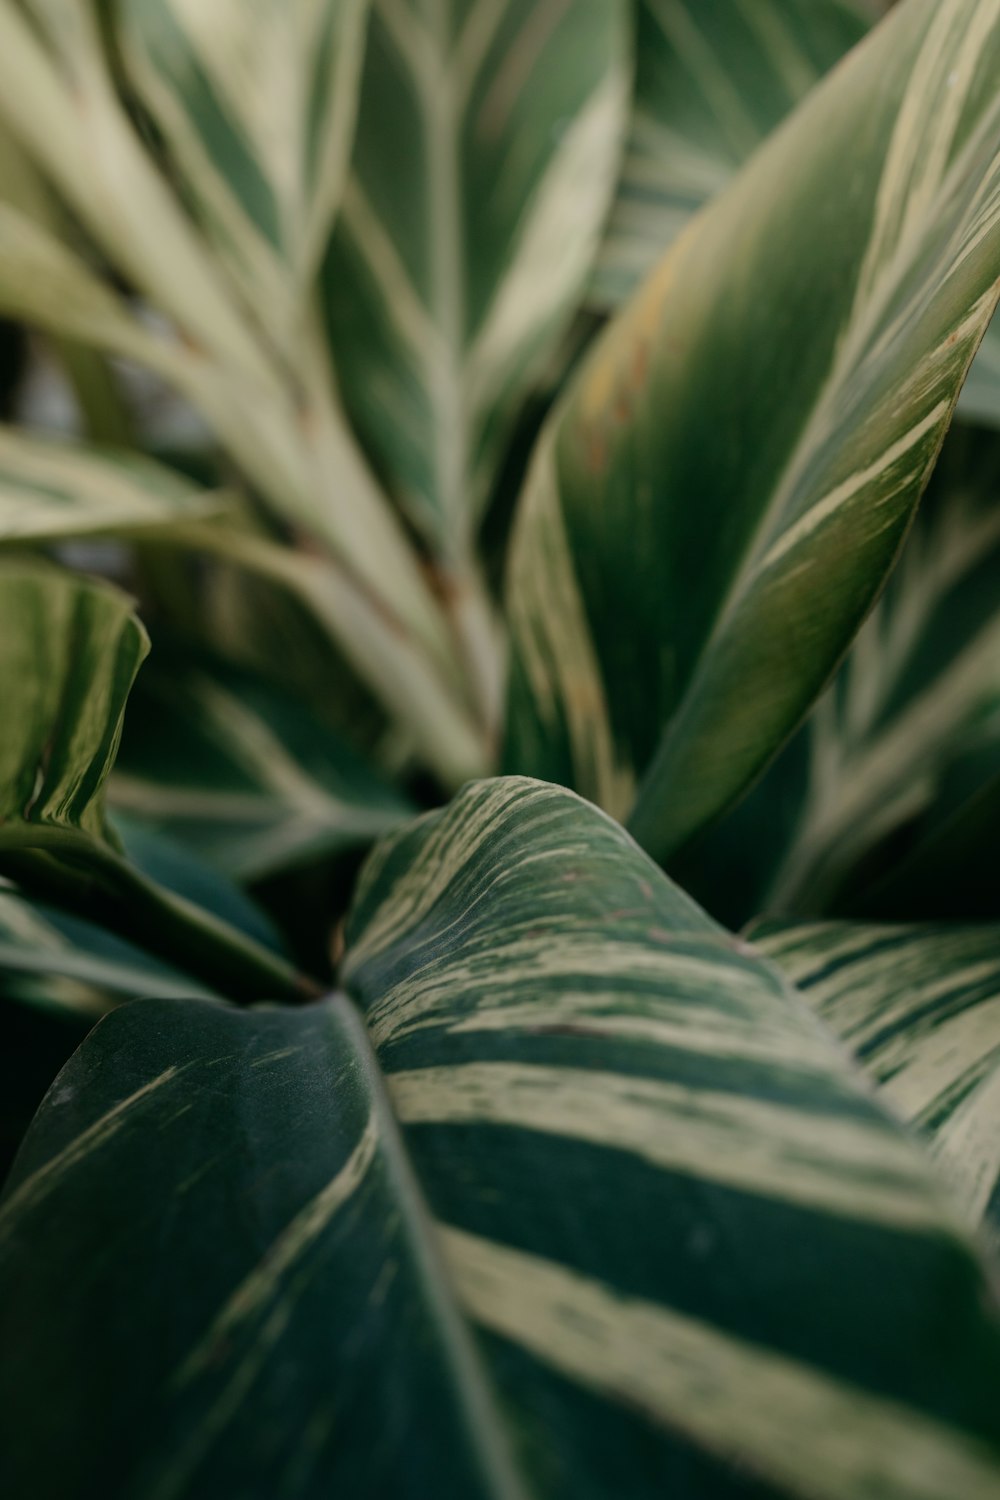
x: 801, y: 509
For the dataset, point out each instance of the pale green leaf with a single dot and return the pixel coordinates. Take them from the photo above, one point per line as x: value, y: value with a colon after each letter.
x: 50, y: 490
x: 255, y: 105
x: 487, y: 144
x: 719, y: 497
x: 920, y: 1009
x: 518, y: 1180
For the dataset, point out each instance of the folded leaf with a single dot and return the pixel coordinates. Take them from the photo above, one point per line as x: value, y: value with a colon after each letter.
x: 487, y: 143
x: 69, y: 652
x: 920, y: 1009
x: 491, y: 1232
x: 719, y: 497
x: 244, y: 776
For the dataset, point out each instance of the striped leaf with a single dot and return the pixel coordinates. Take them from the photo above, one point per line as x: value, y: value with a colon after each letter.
x: 883, y: 801
x: 487, y: 144
x: 718, y: 498
x: 920, y: 1009
x: 255, y: 105
x: 50, y: 491
x: 713, y: 79
x: 274, y: 412
x: 36, y: 943
x: 243, y: 775
x: 518, y: 1185
x: 69, y: 651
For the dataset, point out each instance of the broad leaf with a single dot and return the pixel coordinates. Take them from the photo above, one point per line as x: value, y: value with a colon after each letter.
x: 486, y: 149
x: 69, y: 651
x: 487, y: 1228
x: 900, y: 757
x: 244, y: 776
x: 718, y: 499
x: 49, y: 491
x: 712, y: 80
x: 920, y: 1009
x: 255, y: 105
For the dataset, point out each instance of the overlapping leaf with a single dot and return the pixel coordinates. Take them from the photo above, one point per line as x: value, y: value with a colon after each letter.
x: 920, y: 1009
x: 49, y: 491
x: 712, y: 80
x: 69, y: 651
x: 244, y: 776
x: 486, y: 149
x: 513, y: 1204
x: 722, y: 492
x: 883, y: 802
x: 256, y: 105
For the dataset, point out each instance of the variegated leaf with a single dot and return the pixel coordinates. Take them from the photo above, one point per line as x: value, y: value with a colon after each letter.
x: 255, y: 104
x: 900, y: 755
x: 920, y: 1009
x: 243, y: 775
x: 487, y: 144
x: 519, y: 1180
x: 49, y: 491
x: 713, y: 78
x: 50, y: 946
x: 718, y: 498
x: 69, y: 651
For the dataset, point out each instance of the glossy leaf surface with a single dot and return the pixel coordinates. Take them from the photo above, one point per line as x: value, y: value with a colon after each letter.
x: 715, y: 503
x: 486, y: 1227
x: 885, y: 803
x: 920, y: 1009
x: 69, y: 651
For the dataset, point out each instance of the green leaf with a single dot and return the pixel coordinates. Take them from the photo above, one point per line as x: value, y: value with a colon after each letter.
x: 243, y: 775
x: 981, y: 394
x: 920, y: 1009
x: 487, y: 143
x: 49, y: 491
x: 255, y: 105
x: 69, y: 652
x: 719, y: 497
x: 49, y: 945
x: 713, y: 79
x: 900, y: 754
x: 487, y: 1228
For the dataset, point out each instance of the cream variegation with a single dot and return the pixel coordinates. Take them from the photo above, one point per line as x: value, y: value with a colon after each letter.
x: 495, y: 1152
x: 727, y: 575
x: 487, y: 145
x: 920, y: 1009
